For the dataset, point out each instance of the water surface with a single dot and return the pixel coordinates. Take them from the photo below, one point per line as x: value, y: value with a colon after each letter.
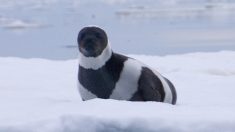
x: 49, y: 28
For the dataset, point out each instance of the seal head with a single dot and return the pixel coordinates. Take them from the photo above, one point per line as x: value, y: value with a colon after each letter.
x: 92, y: 41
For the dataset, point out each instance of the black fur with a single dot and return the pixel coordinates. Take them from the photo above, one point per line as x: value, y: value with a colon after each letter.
x: 92, y: 41
x: 138, y: 96
x: 101, y: 82
x: 150, y: 86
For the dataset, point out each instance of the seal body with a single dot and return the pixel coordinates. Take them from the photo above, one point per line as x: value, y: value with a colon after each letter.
x: 108, y: 75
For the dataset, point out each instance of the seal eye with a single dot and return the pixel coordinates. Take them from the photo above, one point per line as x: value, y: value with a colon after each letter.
x: 98, y: 35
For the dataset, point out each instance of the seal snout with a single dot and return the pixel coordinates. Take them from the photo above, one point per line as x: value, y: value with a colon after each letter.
x: 89, y: 47
x: 90, y: 43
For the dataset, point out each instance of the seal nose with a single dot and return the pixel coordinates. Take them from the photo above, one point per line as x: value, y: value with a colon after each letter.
x: 89, y: 44
x: 89, y: 47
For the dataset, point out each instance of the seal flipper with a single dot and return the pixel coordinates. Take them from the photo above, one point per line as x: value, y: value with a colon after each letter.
x: 150, y: 86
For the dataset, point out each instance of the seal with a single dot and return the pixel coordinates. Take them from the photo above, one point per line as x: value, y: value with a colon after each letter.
x: 108, y: 75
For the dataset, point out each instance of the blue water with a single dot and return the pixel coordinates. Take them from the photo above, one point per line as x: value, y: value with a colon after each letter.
x: 151, y: 27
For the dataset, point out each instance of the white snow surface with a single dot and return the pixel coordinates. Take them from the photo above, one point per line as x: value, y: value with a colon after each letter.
x: 38, y: 95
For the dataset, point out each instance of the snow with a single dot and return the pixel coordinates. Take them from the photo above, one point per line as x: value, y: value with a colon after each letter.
x: 39, y: 95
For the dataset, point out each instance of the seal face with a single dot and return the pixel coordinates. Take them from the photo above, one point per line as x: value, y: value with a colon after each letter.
x: 108, y: 75
x: 92, y: 41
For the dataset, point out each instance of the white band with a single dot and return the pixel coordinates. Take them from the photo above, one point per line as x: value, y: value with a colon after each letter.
x: 95, y: 62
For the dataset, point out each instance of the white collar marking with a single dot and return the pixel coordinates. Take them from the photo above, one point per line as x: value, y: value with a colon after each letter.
x: 95, y: 62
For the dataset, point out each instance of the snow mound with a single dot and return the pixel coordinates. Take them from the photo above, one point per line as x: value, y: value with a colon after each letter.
x: 38, y: 95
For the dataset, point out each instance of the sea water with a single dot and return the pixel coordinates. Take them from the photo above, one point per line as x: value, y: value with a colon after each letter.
x: 48, y: 28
